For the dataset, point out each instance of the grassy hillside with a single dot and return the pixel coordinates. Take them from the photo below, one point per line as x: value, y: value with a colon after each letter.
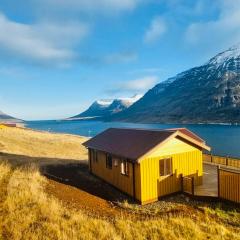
x: 41, y: 145
x: 28, y: 210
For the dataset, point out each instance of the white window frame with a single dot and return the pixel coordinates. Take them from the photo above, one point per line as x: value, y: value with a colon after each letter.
x: 124, y: 167
x: 165, y: 167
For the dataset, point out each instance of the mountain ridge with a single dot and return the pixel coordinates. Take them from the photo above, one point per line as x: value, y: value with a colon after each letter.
x: 209, y: 93
x: 106, y: 107
x: 4, y: 118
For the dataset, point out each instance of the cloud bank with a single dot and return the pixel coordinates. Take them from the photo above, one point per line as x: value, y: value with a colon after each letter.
x: 44, y: 42
x: 93, y: 5
x: 157, y: 28
x: 140, y: 85
x: 224, y: 31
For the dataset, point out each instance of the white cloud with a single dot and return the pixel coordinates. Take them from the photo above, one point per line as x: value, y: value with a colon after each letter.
x: 157, y: 28
x: 139, y: 85
x: 42, y: 42
x: 122, y: 57
x: 150, y: 70
x: 89, y: 6
x: 222, y: 32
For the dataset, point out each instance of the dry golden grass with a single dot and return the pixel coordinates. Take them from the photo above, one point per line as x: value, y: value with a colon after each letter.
x: 28, y: 212
x: 39, y: 144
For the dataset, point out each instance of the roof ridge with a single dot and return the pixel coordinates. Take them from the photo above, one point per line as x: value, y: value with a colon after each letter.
x: 141, y: 129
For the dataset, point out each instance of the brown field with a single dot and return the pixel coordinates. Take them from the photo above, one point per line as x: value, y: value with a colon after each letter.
x: 46, y: 192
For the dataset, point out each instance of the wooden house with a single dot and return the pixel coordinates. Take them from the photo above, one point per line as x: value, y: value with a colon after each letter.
x: 146, y: 164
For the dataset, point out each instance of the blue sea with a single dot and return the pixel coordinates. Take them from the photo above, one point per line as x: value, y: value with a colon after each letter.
x: 223, y: 139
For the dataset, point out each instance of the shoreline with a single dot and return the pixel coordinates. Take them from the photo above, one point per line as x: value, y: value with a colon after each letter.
x: 54, y: 133
x: 88, y: 129
x: 98, y: 119
x: 82, y: 137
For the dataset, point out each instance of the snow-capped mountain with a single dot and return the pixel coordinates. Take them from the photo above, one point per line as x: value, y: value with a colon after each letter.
x: 228, y: 59
x: 8, y: 119
x: 107, y: 107
x: 121, y: 104
x: 208, y: 93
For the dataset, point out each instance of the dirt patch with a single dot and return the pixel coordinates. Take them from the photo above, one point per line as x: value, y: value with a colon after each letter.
x: 75, y: 187
x: 78, y: 189
x: 78, y: 199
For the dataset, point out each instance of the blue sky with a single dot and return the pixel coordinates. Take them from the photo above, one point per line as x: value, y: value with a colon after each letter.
x: 58, y: 56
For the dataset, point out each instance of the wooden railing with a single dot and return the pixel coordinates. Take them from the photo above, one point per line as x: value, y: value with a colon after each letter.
x: 170, y: 184
x: 226, y: 161
x: 229, y: 185
x: 188, y: 185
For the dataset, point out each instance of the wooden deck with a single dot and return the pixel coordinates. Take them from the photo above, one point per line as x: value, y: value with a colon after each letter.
x: 210, y: 182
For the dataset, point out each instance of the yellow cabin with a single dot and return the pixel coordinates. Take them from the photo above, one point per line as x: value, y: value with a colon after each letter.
x: 146, y: 164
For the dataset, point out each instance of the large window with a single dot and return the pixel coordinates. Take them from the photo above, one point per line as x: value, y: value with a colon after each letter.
x: 165, y: 167
x: 124, y: 167
x: 109, y: 161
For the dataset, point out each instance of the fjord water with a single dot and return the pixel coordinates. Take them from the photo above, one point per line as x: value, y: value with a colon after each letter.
x: 224, y: 139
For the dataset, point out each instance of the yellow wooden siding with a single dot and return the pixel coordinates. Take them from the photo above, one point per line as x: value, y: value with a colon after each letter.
x: 149, y: 185
x: 229, y: 185
x: 137, y: 181
x: 154, y: 186
x: 113, y: 176
x: 172, y: 146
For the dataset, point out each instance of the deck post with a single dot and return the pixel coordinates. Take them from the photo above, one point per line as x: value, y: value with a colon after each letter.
x: 211, y: 158
x: 193, y: 186
x: 181, y: 176
x: 218, y: 179
x: 134, y: 184
x: 90, y: 160
x: 227, y: 161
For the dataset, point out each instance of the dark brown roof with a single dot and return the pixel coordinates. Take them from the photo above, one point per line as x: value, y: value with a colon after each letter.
x: 131, y: 143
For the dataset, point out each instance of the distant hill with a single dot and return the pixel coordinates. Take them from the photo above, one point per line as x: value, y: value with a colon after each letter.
x: 6, y: 118
x: 205, y: 94
x: 107, y: 107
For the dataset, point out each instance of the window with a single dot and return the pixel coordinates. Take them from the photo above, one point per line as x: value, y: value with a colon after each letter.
x: 109, y: 161
x: 124, y: 168
x: 165, y: 166
x: 115, y: 162
x: 94, y: 155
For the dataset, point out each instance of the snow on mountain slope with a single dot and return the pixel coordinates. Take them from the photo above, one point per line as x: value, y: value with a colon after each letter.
x: 106, y: 107
x: 208, y: 93
x: 232, y: 54
x: 104, y: 102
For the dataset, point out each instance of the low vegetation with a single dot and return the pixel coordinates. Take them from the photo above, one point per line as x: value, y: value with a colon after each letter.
x: 28, y: 211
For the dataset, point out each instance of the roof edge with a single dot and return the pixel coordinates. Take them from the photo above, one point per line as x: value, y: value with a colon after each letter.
x: 175, y: 134
x: 197, y: 143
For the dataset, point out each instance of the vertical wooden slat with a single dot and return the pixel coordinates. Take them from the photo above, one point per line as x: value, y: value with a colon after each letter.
x: 227, y: 161
x: 229, y: 185
x: 193, y: 186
